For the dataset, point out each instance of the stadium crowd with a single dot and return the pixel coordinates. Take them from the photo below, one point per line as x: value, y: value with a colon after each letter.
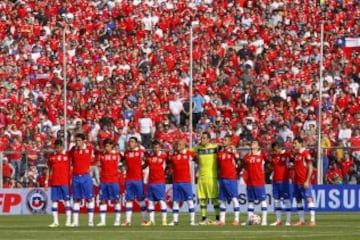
x: 127, y: 65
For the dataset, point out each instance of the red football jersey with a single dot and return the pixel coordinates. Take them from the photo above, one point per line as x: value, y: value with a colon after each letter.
x: 59, y: 165
x: 156, y: 165
x: 81, y: 159
x: 181, y: 164
x: 227, y: 164
x: 134, y: 161
x: 301, y: 161
x: 280, y: 163
x: 254, y: 164
x: 109, y: 162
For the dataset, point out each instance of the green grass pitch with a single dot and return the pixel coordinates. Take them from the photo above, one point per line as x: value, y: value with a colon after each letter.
x: 340, y: 226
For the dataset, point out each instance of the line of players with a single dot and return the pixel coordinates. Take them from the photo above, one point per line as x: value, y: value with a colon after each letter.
x: 135, y: 159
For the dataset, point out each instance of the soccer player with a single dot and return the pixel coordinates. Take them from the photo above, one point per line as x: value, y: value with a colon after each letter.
x: 58, y: 177
x: 206, y: 154
x: 254, y: 164
x: 156, y: 161
x: 180, y: 163
x: 81, y: 156
x: 303, y: 167
x: 109, y: 184
x: 134, y: 185
x: 281, y: 189
x: 228, y: 186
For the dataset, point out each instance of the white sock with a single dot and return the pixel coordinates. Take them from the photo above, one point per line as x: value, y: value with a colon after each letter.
x: 103, y: 208
x: 277, y: 205
x: 312, y: 211
x: 236, y: 205
x: 129, y: 207
x: 287, y: 203
x: 151, y: 211
x: 117, y: 212
x: 163, y: 209
x: 54, y: 211
x: 76, y: 209
x: 300, y: 209
x: 68, y: 211
x: 250, y: 209
x: 91, y: 206
x: 222, y: 210
x: 191, y: 210
x: 176, y: 211
x: 264, y: 212
x: 143, y: 210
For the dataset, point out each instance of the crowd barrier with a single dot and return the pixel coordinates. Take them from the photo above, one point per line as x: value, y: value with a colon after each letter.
x: 327, y: 198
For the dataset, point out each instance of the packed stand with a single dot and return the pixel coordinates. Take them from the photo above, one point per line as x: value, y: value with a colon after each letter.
x: 255, y: 75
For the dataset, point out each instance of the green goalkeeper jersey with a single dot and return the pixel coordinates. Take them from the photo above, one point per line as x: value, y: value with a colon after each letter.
x: 207, y: 160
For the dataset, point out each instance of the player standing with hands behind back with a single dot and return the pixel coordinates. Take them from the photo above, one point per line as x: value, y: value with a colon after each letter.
x: 303, y: 167
x: 81, y: 156
x: 59, y: 176
x: 109, y: 184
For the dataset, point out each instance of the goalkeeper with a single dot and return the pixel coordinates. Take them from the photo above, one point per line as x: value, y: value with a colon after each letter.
x: 207, y: 188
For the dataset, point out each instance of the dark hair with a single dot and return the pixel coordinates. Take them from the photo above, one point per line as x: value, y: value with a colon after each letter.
x: 276, y: 144
x: 134, y: 138
x: 80, y: 135
x: 298, y: 139
x: 228, y: 136
x: 108, y: 141
x: 154, y: 143
x: 58, y: 142
x: 207, y: 134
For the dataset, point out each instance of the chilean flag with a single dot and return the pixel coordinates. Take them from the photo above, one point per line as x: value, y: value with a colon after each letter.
x: 348, y: 45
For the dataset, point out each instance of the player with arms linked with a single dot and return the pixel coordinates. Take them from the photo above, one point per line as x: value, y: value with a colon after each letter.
x: 81, y: 156
x: 109, y: 184
x: 206, y: 155
x: 156, y: 161
x: 58, y: 178
x: 228, y: 179
x: 254, y: 163
x: 280, y: 159
x: 134, y: 185
x: 180, y: 163
x: 303, y: 167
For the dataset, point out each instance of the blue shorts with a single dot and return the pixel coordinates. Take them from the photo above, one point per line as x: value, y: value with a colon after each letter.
x: 228, y: 189
x: 255, y: 193
x: 182, y: 192
x: 82, y: 186
x: 60, y: 193
x: 134, y: 189
x: 109, y: 191
x: 301, y: 193
x: 281, y: 190
x: 156, y: 192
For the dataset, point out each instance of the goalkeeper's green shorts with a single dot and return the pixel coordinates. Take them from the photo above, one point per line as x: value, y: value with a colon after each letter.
x: 207, y: 188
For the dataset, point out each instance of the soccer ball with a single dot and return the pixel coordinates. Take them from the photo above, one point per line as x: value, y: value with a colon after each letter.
x: 254, y: 219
